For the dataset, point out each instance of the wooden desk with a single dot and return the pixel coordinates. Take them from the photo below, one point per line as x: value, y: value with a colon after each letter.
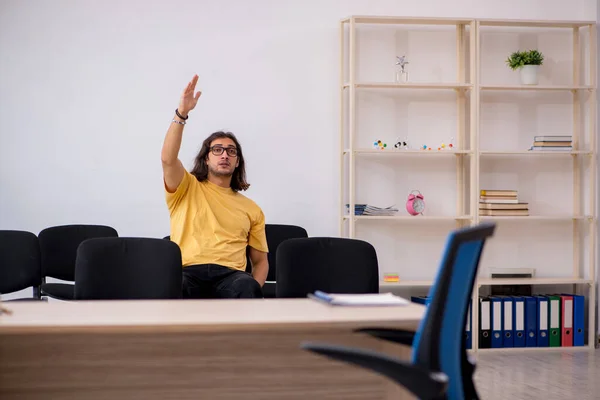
x: 191, y: 349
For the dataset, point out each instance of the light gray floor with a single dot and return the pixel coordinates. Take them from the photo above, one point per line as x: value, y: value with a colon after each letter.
x: 530, y: 375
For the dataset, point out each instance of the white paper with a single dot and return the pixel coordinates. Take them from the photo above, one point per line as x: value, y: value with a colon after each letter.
x: 370, y: 299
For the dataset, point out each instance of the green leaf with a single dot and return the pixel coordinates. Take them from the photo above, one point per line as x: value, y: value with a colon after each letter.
x: 520, y: 58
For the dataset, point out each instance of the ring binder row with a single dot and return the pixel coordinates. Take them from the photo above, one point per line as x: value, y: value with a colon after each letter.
x: 550, y: 320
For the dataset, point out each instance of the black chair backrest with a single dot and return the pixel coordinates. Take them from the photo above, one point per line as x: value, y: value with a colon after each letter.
x: 333, y: 265
x: 276, y: 234
x: 58, y: 245
x: 20, y: 261
x: 128, y: 268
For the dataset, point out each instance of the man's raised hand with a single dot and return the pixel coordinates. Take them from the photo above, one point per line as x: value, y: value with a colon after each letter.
x: 188, y: 100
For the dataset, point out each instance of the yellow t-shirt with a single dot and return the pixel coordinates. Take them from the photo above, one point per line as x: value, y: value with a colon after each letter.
x: 214, y: 225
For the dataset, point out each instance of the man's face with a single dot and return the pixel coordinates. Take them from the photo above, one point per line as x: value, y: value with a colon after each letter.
x: 225, y: 163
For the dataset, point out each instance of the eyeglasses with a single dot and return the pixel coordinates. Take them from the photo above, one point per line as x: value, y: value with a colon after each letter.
x: 218, y: 150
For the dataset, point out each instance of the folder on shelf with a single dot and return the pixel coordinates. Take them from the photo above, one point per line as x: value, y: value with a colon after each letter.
x: 566, y: 321
x: 519, y: 321
x: 508, y: 327
x: 485, y: 337
x: 543, y: 336
x: 578, y: 320
x: 531, y: 325
x: 425, y: 300
x: 496, y: 316
x: 468, y: 339
x: 554, y: 320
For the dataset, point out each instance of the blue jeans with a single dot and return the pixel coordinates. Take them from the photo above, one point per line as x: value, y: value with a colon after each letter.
x: 213, y: 281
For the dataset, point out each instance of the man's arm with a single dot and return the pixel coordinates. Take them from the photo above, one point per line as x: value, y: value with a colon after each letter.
x: 173, y: 170
x: 260, y: 265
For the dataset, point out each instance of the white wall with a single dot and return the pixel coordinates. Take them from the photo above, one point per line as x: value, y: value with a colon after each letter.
x: 87, y: 90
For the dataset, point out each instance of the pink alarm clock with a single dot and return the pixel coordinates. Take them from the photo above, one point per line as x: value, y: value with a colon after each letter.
x: 415, y: 204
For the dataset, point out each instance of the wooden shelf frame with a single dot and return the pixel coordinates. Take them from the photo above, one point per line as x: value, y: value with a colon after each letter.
x: 472, y: 155
x: 462, y: 85
x: 578, y: 216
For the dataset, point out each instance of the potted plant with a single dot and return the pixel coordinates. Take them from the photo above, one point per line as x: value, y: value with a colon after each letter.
x: 528, y: 62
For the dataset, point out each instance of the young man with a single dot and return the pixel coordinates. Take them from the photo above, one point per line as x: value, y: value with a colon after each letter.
x: 211, y: 221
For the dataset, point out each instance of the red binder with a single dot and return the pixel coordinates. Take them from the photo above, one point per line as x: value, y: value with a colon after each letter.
x: 566, y: 325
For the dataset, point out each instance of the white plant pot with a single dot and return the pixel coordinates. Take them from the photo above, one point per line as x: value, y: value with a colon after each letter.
x: 529, y: 74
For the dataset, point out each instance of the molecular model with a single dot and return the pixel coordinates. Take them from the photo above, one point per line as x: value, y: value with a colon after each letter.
x: 401, y: 144
x: 379, y: 145
x: 441, y: 147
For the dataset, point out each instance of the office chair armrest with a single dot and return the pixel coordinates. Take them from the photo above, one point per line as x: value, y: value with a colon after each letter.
x: 422, y: 383
x: 393, y: 335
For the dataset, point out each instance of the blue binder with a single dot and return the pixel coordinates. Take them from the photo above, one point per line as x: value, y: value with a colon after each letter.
x: 578, y: 320
x: 531, y: 323
x: 497, y: 317
x: 519, y: 321
x: 468, y: 334
x: 485, y: 323
x: 508, y: 327
x: 543, y: 337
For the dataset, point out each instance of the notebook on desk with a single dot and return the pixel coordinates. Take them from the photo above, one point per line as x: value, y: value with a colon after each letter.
x: 370, y: 299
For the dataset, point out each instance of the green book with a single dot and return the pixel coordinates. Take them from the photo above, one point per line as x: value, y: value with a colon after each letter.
x: 554, y: 320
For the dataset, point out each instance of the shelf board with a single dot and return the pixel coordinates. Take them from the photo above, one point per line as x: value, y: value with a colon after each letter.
x: 374, y: 19
x: 411, y: 152
x: 410, y: 85
x: 493, y: 282
x: 406, y: 284
x: 536, y: 217
x: 533, y: 152
x: 531, y: 281
x: 410, y: 218
x: 534, y: 23
x: 532, y: 87
x: 520, y: 349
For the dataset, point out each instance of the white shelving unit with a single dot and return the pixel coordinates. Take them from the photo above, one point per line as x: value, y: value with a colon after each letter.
x: 468, y: 154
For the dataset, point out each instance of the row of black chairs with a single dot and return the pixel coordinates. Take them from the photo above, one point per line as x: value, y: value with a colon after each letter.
x: 103, y: 265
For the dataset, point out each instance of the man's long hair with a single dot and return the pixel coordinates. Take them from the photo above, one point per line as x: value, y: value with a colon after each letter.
x: 200, y: 170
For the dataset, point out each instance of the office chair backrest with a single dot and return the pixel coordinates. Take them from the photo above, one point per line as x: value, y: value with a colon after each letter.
x: 276, y: 234
x: 20, y: 261
x: 334, y: 265
x: 443, y: 326
x: 128, y: 268
x: 58, y: 245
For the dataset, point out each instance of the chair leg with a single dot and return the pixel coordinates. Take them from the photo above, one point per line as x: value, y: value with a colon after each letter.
x: 468, y: 367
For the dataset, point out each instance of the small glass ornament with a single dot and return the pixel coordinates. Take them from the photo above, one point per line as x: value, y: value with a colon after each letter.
x: 401, y: 73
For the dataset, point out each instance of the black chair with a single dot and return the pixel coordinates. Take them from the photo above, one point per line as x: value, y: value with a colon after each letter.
x: 334, y: 265
x: 277, y: 234
x: 440, y: 367
x: 58, y: 247
x: 128, y: 268
x: 20, y: 263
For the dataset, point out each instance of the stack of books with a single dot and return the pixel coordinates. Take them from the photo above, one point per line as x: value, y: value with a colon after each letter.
x: 552, y: 143
x: 503, y: 203
x: 367, y: 209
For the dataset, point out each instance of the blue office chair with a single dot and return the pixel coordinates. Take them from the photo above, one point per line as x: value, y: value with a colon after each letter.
x: 440, y: 368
